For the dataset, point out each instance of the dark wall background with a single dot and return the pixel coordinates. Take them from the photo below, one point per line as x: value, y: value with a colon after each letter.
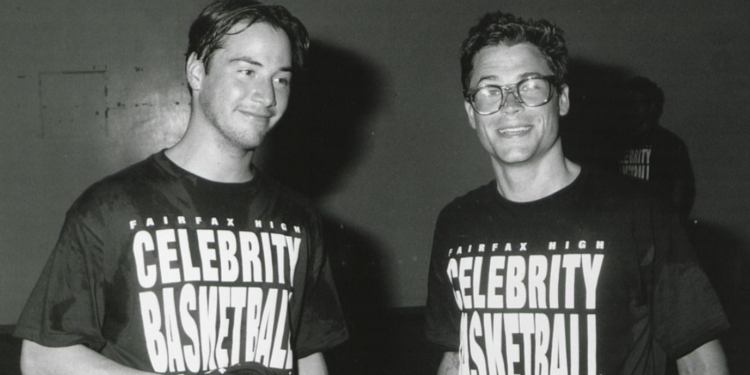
x: 376, y: 133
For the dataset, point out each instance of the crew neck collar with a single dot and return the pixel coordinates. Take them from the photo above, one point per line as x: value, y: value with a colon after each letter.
x: 163, y: 161
x: 542, y: 204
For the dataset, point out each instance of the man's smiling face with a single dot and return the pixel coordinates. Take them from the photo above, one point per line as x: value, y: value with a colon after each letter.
x: 245, y: 90
x: 516, y: 134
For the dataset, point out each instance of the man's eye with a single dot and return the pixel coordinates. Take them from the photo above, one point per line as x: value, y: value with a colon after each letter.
x: 283, y: 81
x: 533, y: 84
x: 247, y: 72
x: 491, y: 91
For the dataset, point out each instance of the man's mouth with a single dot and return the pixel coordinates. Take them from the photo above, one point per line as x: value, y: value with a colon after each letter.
x: 515, y: 130
x: 261, y: 115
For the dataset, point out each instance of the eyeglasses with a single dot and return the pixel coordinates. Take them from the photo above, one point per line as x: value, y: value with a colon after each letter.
x: 531, y: 92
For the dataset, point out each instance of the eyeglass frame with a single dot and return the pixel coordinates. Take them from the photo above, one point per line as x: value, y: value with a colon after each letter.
x: 551, y: 79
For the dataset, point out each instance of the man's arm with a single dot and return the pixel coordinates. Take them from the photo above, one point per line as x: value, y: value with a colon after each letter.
x: 707, y: 359
x: 313, y: 364
x: 74, y: 360
x: 449, y: 364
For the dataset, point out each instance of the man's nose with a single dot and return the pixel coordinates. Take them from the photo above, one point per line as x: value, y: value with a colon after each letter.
x: 264, y: 93
x: 511, y: 104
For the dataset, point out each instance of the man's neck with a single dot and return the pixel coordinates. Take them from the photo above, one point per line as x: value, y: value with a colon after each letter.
x: 531, y: 182
x: 199, y: 155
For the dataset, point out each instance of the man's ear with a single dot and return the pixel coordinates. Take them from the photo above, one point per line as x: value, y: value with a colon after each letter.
x: 195, y: 71
x: 470, y: 114
x: 563, y: 100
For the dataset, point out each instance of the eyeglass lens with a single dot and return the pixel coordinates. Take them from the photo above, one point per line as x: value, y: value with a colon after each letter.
x: 533, y: 93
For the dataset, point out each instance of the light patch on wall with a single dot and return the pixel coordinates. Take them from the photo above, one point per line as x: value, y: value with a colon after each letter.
x: 149, y: 120
x: 72, y: 104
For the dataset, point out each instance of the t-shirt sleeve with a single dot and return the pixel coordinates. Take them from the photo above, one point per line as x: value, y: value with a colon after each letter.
x: 66, y: 306
x: 443, y: 317
x: 322, y: 324
x: 686, y: 310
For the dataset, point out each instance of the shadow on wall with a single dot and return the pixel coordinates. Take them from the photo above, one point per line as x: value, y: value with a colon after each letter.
x: 592, y: 132
x: 320, y: 141
x: 726, y: 259
x: 324, y: 132
x: 360, y: 280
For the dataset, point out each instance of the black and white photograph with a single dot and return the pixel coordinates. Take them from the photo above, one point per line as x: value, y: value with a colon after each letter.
x: 339, y: 187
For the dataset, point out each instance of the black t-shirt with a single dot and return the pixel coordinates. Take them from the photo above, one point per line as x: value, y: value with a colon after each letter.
x: 661, y: 157
x: 597, y: 278
x: 161, y: 270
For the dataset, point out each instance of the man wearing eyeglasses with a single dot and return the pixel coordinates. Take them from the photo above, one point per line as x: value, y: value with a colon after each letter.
x: 552, y: 268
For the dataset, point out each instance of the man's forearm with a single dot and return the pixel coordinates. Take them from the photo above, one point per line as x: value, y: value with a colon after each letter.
x: 449, y: 364
x: 314, y: 364
x: 74, y: 360
x: 707, y: 359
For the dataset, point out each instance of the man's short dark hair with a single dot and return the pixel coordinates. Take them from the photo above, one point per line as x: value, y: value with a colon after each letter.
x: 506, y: 29
x: 209, y: 30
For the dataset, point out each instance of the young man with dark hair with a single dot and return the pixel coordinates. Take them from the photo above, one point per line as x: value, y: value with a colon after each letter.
x: 193, y: 261
x: 552, y: 268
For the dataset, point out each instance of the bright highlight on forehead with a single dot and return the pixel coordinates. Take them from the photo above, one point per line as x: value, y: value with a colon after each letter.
x: 260, y: 44
x: 507, y: 64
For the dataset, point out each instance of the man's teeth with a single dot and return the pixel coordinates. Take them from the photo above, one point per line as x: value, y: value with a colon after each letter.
x: 514, y: 130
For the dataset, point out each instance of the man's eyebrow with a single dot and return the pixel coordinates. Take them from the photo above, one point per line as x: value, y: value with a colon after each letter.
x: 247, y: 60
x: 487, y: 77
x: 493, y: 77
x: 251, y: 61
x: 531, y: 74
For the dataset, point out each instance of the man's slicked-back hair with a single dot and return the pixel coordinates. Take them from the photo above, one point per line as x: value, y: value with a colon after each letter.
x: 209, y: 30
x: 506, y: 29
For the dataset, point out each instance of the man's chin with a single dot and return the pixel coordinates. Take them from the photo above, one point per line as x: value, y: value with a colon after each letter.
x: 254, y: 140
x: 512, y: 157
